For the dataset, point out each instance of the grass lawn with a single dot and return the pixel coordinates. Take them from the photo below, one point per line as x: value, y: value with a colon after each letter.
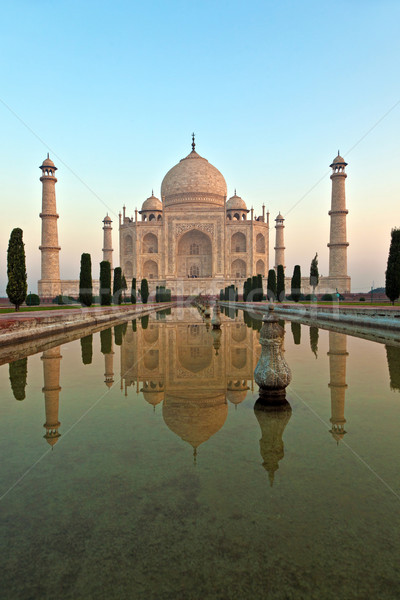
x: 36, y: 308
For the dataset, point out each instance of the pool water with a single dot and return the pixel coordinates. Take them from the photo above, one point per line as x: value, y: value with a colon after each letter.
x: 159, y: 475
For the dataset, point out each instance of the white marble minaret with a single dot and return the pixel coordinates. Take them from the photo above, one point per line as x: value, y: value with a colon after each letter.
x: 338, y: 237
x: 279, y: 242
x: 49, y: 284
x: 107, y: 241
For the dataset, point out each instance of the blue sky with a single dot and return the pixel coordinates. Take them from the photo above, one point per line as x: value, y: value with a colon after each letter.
x: 272, y: 90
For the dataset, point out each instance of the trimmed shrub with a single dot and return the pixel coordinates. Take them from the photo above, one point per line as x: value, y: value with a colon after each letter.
x: 32, y: 300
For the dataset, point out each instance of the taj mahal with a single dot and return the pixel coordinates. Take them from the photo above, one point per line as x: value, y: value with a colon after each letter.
x: 194, y: 239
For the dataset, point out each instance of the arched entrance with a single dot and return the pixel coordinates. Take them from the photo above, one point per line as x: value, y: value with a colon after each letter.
x: 194, y: 257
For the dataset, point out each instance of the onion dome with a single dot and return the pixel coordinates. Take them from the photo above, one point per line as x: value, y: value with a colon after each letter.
x: 338, y: 160
x: 152, y: 203
x: 236, y: 203
x: 48, y: 162
x: 193, y: 181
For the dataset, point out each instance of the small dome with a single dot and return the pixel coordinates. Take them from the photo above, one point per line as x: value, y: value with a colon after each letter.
x: 236, y: 203
x: 279, y: 217
x: 107, y: 219
x: 152, y: 203
x: 48, y: 162
x: 338, y: 160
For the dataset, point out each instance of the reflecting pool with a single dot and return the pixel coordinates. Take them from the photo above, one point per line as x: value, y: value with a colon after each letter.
x: 138, y: 462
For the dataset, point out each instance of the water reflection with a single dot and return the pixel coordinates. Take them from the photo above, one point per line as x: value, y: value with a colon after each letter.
x: 193, y: 371
x: 272, y: 419
x: 337, y: 368
x: 393, y: 361
x: 18, y: 372
x: 51, y: 377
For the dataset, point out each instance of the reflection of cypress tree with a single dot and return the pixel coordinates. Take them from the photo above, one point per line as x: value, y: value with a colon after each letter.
x: 18, y: 371
x: 106, y: 341
x: 314, y: 335
x: 247, y: 319
x: 134, y: 325
x: 145, y: 321
x: 124, y: 328
x: 87, y: 349
x: 118, y: 334
x: 393, y: 360
x: 282, y: 323
x: 257, y: 324
x: 296, y: 331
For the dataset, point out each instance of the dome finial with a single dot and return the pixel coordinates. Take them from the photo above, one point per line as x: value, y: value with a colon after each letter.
x: 152, y: 192
x: 235, y: 192
x: 338, y: 152
x: 193, y: 142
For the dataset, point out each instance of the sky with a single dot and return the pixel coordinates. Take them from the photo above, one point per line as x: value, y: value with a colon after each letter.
x: 272, y: 90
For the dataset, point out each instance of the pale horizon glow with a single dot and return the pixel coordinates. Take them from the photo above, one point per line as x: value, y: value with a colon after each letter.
x: 271, y: 90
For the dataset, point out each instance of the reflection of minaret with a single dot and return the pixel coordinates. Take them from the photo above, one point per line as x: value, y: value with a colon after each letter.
x: 51, y: 376
x: 279, y: 242
x: 272, y: 419
x: 337, y: 367
x: 109, y: 367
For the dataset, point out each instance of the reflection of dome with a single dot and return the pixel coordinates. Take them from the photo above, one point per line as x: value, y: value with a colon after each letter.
x: 236, y: 396
x: 152, y: 203
x: 236, y: 203
x: 193, y: 419
x: 194, y: 178
x: 153, y: 398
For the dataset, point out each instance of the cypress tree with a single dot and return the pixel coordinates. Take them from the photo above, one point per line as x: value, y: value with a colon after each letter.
x: 253, y: 294
x: 133, y: 291
x: 271, y: 285
x: 392, y: 281
x: 87, y: 349
x: 314, y: 274
x: 18, y: 372
x: 296, y: 284
x: 105, y: 283
x: 280, y: 284
x: 260, y: 291
x: 16, y: 269
x: 85, y: 281
x: 221, y: 294
x: 117, y: 286
x: 124, y: 287
x: 157, y: 294
x: 106, y: 340
x: 144, y: 291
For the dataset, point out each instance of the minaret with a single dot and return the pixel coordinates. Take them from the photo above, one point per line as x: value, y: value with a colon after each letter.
x: 337, y: 367
x: 279, y: 242
x: 338, y: 238
x: 49, y: 283
x: 107, y: 240
x: 51, y: 375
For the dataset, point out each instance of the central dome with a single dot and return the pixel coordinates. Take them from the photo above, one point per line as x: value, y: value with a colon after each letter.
x: 193, y: 181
